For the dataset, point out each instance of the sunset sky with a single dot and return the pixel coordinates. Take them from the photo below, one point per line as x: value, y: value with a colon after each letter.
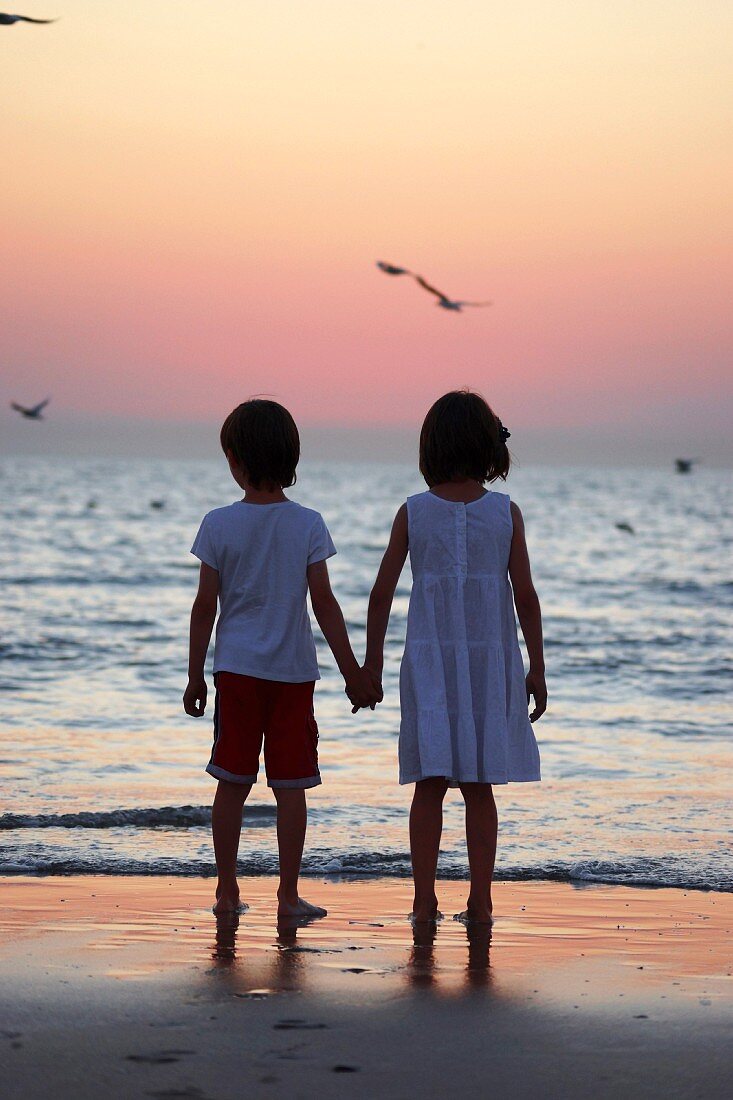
x: 194, y: 196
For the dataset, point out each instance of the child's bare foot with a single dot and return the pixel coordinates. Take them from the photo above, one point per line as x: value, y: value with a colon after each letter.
x: 425, y: 916
x: 479, y: 909
x: 300, y: 908
x: 475, y: 916
x: 228, y: 901
x: 424, y: 909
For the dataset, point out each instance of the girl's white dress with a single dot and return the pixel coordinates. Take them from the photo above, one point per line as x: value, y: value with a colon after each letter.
x: 462, y: 692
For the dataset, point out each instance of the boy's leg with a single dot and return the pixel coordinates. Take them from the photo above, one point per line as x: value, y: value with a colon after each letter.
x: 481, y: 832
x: 291, y: 762
x: 292, y: 818
x: 226, y: 825
x: 426, y: 826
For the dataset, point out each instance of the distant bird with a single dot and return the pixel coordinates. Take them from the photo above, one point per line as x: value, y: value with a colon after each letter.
x: 8, y: 20
x: 444, y: 301
x: 624, y: 526
x: 684, y: 465
x: 33, y: 413
x: 390, y: 269
x: 157, y: 504
x: 453, y: 304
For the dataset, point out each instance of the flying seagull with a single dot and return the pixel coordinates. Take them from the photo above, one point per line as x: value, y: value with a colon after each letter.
x: 8, y: 20
x: 32, y: 413
x: 454, y: 304
x: 390, y: 269
x: 444, y: 301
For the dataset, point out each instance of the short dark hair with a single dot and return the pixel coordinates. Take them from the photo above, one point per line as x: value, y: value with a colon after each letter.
x: 462, y: 437
x: 263, y: 438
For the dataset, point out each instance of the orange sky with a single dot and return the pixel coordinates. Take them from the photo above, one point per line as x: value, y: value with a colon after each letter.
x: 193, y: 197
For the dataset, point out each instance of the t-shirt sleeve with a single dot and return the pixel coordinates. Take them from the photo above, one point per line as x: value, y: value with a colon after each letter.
x: 321, y: 544
x: 204, y: 545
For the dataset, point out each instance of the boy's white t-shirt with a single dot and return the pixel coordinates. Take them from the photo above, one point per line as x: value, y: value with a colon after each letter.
x: 262, y: 552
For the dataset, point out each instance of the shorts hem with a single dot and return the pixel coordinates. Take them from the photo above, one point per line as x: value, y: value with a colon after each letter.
x: 222, y: 773
x: 295, y: 784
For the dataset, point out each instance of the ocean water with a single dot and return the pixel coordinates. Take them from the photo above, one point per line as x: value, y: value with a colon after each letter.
x: 102, y: 772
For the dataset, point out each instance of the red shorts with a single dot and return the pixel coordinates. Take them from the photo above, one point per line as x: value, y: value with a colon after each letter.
x: 248, y: 709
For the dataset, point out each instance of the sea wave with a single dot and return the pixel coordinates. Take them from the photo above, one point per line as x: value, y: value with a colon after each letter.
x: 367, y: 865
x: 169, y: 817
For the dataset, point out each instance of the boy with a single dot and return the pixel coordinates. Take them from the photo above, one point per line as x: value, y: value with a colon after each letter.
x: 259, y: 558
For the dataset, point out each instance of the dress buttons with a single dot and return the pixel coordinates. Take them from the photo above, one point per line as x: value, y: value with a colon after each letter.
x: 461, y: 540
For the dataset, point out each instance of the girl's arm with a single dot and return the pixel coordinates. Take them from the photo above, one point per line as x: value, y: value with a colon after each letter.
x: 203, y: 614
x: 527, y: 604
x: 359, y: 687
x: 382, y: 594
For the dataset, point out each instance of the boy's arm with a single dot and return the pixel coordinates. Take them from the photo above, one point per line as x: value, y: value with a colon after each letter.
x: 382, y: 594
x: 330, y: 618
x: 527, y: 604
x: 203, y: 614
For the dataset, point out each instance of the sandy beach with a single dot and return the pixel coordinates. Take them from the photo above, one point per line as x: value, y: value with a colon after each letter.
x: 123, y: 987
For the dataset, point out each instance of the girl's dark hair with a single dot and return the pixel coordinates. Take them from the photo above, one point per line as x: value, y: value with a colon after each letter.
x: 263, y: 438
x: 462, y: 437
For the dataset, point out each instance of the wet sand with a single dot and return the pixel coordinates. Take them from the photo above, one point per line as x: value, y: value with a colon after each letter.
x: 126, y: 987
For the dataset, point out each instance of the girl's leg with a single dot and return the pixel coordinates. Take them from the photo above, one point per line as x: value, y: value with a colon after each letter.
x: 292, y: 818
x: 481, y: 831
x: 426, y: 826
x: 226, y: 825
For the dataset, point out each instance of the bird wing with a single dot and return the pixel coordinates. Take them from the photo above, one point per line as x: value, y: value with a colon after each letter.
x: 39, y: 407
x: 390, y: 269
x: 28, y: 19
x: 426, y: 286
x: 18, y: 408
x: 474, y: 303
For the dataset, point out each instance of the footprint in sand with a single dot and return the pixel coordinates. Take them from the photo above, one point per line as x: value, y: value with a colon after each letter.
x: 190, y: 1093
x: 158, y: 1058
x: 297, y: 1025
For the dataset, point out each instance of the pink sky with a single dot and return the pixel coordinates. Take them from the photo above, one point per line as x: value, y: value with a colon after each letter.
x: 193, y: 204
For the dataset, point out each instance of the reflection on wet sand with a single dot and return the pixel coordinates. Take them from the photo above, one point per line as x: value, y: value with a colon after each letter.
x: 224, y: 950
x: 260, y: 965
x: 423, y: 966
x: 282, y: 969
x: 478, y: 965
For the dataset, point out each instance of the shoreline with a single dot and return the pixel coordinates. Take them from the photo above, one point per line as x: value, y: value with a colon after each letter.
x: 255, y: 870
x: 130, y: 987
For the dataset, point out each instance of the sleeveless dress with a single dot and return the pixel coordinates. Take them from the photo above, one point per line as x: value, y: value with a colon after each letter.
x: 462, y: 692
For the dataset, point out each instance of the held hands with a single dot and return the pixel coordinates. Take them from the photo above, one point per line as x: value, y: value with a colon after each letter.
x: 537, y: 689
x: 364, y: 689
x: 194, y: 697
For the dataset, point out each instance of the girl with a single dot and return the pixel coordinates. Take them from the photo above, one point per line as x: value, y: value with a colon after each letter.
x: 463, y: 692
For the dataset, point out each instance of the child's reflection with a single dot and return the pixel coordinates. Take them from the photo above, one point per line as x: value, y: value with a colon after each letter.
x: 280, y: 970
x: 423, y: 965
x: 224, y: 950
x: 478, y: 966
x: 288, y: 964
